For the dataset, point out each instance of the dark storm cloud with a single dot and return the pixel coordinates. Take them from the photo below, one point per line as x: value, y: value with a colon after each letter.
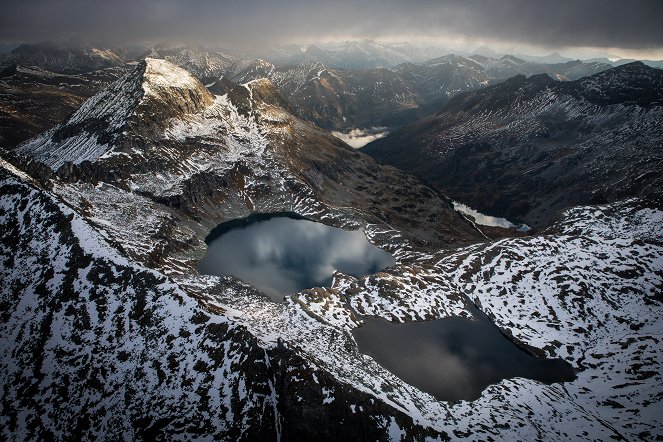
x: 634, y: 24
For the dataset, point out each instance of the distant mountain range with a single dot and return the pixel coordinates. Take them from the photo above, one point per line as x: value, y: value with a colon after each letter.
x: 364, y: 54
x: 331, y: 97
x: 529, y: 147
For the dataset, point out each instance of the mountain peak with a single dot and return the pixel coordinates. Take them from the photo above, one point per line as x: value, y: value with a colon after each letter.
x: 512, y: 59
x: 153, y: 92
x: 138, y: 104
x: 166, y: 74
x: 168, y: 83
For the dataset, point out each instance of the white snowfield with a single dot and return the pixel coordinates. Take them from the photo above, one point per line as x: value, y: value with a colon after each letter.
x: 99, y: 334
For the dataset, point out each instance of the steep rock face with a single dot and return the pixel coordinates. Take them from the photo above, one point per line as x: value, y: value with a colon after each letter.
x: 529, y: 147
x: 172, y: 90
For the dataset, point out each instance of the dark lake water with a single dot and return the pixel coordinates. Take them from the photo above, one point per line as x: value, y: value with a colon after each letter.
x: 453, y: 358
x: 283, y: 254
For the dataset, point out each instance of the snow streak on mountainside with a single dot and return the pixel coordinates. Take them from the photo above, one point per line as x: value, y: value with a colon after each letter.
x: 33, y: 99
x: 99, y: 260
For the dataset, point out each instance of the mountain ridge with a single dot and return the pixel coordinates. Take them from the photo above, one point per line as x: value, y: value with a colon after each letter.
x: 129, y: 101
x: 345, y: 97
x: 519, y: 138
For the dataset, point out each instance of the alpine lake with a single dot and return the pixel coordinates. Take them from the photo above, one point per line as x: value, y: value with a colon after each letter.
x: 452, y: 359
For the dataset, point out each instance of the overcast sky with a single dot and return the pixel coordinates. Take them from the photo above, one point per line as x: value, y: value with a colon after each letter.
x: 623, y: 26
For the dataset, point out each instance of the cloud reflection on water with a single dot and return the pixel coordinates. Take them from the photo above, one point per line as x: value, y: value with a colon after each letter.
x: 281, y: 256
x: 453, y: 358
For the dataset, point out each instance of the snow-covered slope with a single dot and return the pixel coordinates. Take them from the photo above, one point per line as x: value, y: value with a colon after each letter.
x: 589, y: 290
x: 33, y: 99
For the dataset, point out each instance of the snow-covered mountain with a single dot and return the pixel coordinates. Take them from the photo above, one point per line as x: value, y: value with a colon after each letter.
x: 442, y: 77
x: 108, y: 330
x: 138, y: 105
x: 364, y: 54
x: 529, y: 147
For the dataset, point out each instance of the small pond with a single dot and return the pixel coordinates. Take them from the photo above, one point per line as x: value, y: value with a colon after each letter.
x: 453, y: 358
x: 284, y: 253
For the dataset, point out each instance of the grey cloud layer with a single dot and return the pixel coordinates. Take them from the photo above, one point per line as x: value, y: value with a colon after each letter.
x: 635, y: 24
